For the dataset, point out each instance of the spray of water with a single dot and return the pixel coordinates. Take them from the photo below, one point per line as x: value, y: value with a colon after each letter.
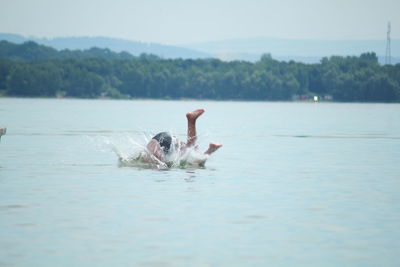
x: 131, y: 151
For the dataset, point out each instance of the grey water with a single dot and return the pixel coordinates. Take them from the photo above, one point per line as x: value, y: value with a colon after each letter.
x: 304, y: 184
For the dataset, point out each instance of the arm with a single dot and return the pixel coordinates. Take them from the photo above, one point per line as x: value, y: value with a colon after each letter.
x: 154, y: 148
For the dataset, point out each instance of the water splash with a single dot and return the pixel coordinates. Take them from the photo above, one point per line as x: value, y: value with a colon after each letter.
x: 131, y: 151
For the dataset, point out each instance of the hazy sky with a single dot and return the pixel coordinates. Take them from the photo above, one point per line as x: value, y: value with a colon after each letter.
x: 188, y: 21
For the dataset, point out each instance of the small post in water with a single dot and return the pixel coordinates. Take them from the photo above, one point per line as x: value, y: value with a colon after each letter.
x: 2, y: 131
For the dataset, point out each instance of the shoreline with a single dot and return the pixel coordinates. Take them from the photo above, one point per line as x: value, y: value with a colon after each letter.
x: 195, y: 99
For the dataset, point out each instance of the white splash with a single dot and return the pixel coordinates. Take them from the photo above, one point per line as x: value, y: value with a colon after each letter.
x: 131, y: 151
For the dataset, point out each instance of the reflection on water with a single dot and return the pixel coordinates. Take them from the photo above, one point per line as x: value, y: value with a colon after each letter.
x: 308, y: 184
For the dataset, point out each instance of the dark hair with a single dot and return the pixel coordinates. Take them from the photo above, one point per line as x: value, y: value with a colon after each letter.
x: 165, y: 140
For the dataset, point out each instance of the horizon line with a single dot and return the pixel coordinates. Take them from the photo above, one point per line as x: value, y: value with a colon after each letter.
x: 199, y: 42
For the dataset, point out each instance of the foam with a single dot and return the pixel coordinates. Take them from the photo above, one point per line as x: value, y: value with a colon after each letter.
x: 131, y: 151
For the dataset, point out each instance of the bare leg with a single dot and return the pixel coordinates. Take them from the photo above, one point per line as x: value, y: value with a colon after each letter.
x: 212, y: 148
x: 191, y: 133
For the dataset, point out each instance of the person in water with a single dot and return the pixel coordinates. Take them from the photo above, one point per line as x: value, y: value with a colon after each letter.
x: 163, y: 144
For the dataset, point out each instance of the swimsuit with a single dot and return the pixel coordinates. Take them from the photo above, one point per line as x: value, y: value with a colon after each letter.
x: 165, y: 140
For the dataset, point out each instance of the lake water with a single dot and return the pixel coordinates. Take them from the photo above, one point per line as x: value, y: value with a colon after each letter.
x: 305, y: 184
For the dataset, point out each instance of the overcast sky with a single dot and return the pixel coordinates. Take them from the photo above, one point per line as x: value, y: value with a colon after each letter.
x: 189, y: 21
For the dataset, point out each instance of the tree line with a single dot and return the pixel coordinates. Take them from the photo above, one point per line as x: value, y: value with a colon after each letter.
x: 33, y: 70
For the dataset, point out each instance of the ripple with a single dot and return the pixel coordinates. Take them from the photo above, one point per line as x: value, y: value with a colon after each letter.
x: 154, y: 263
x: 366, y: 136
x: 7, y: 207
x: 256, y: 217
x: 74, y: 133
x: 26, y: 224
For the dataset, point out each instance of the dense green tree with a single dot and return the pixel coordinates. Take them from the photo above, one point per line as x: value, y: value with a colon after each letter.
x: 34, y: 79
x: 34, y: 70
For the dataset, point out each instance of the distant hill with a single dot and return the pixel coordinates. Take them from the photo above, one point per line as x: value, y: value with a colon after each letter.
x: 309, y: 51
x: 117, y: 45
x: 250, y: 49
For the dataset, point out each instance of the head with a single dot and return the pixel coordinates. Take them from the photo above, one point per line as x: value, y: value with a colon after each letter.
x: 165, y: 140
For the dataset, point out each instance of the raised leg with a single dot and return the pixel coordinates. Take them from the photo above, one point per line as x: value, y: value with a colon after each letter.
x: 191, y: 132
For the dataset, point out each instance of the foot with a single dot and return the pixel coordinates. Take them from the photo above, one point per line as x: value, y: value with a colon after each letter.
x: 192, y: 116
x: 212, y: 148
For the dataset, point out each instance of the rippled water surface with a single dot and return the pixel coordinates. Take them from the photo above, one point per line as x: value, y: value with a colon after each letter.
x: 305, y: 184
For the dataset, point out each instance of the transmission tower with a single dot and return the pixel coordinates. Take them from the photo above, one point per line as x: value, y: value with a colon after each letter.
x: 388, y: 58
